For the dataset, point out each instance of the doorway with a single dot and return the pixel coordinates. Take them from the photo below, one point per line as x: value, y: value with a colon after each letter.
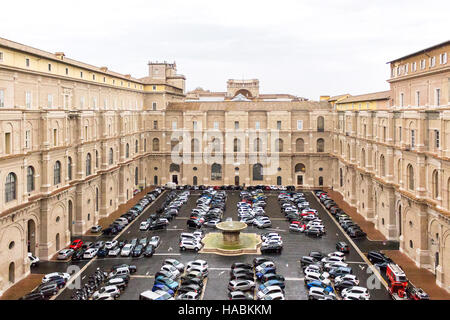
x: 194, y: 181
x: 279, y: 181
x: 175, y: 178
x: 12, y: 272
x: 155, y: 180
x: 31, y: 237
x: 299, y: 180
x: 236, y: 180
x: 57, y: 244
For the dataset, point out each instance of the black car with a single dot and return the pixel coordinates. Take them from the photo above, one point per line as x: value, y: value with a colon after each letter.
x: 137, y: 251
x: 342, y: 247
x: 194, y: 223
x: 196, y: 281
x: 102, y: 252
x: 33, y: 296
x: 111, y: 231
x: 343, y: 285
x: 307, y: 260
x: 149, y: 251
x: 241, y: 270
x: 78, y: 255
x: 271, y: 276
x: 189, y: 288
x: 157, y: 225
x: 241, y: 265
x: 378, y: 257
x: 356, y: 233
x: 242, y: 276
x: 271, y: 248
x: 313, y: 232
x: 316, y: 254
x: 48, y: 290
x: 258, y: 260
x: 88, y: 245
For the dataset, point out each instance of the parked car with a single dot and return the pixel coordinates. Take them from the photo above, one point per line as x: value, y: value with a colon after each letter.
x: 126, y: 250
x: 149, y: 250
x: 96, y: 229
x: 65, y: 254
x: 241, y: 285
x: 342, y: 247
x: 240, y: 295
x: 111, y: 290
x: 34, y: 261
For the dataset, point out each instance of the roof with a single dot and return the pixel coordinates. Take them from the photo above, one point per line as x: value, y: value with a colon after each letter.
x: 422, y: 51
x: 382, y: 95
x: 37, y: 52
x: 335, y: 98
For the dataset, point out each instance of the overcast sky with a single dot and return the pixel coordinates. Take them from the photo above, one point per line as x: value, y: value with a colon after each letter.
x: 307, y: 48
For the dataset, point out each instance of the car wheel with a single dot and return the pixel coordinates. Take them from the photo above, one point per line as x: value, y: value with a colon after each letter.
x: 183, y: 248
x: 196, y: 249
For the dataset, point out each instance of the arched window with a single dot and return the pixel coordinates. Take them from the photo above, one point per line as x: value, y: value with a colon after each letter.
x: 136, y: 147
x: 410, y: 176
x: 257, y: 145
x: 30, y: 179
x: 435, y: 182
x: 216, y: 172
x: 57, y: 173
x: 88, y: 164
x: 299, y: 145
x: 136, y: 176
x: 11, y: 187
x: 127, y: 151
x: 155, y: 144
x: 320, y: 145
x: 382, y: 166
x: 12, y: 273
x: 279, y: 181
x: 300, y: 167
x: 320, y: 124
x: 363, y: 158
x: 195, y: 145
x: 236, y: 145
x: 258, y: 172
x: 69, y: 168
x: 111, y: 156
x: 215, y: 146
x: 320, y: 181
x: 279, y: 145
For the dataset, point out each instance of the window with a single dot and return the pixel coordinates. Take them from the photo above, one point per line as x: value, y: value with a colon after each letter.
x: 67, y: 71
x: 155, y: 125
x: 96, y: 158
x: 279, y: 145
x: 50, y: 101
x: 69, y: 168
x: 236, y: 125
x: 413, y: 138
x: 94, y: 102
x: 299, y: 145
x: 194, y: 125
x: 257, y: 172
x: 174, y: 125
x: 27, y: 139
x: 401, y: 99
x: 88, y: 164
x: 299, y: 124
x: 417, y: 98
x: 145, y: 145
x: 423, y: 64
x: 236, y: 145
x: 154, y: 88
x: 155, y: 144
x: 432, y: 61
x: 410, y: 177
x: 111, y: 156
x: 257, y: 145
x: 81, y: 74
x: 278, y: 125
x: 382, y: 166
x: 49, y: 67
x: 57, y: 173
x: 406, y: 67
x: 435, y: 183
x: 81, y: 102
x: 2, y: 98
x: 195, y: 145
x: 30, y: 179
x: 11, y: 187
x: 136, y: 176
x: 154, y: 105
x: 93, y: 77
x: 257, y: 125
x: 216, y: 172
x: 437, y: 138
x: 320, y: 145
x: 443, y: 58
x: 136, y: 147
x: 414, y: 66
x: 55, y: 137
x: 1, y: 56
x: 8, y: 144
x: 216, y: 125
x: 127, y: 151
x: 438, y: 97
x: 28, y: 99
x: 320, y: 124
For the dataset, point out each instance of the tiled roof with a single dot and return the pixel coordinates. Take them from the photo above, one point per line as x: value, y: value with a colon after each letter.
x: 382, y: 95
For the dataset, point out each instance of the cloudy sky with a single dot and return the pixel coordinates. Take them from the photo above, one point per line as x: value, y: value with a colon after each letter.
x: 307, y: 48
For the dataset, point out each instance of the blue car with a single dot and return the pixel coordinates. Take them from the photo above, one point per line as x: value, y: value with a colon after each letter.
x: 272, y: 283
x: 167, y: 281
x: 163, y: 287
x: 264, y: 271
x: 320, y: 284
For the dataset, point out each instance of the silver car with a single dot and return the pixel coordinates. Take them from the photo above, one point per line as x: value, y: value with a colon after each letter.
x: 241, y: 285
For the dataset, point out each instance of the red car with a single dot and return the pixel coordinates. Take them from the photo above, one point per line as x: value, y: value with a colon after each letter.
x: 76, y: 244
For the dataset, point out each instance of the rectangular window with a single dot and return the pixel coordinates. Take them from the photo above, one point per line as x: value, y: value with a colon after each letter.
x: 216, y: 125
x: 154, y: 105
x: 2, y: 98
x: 194, y: 125
x: 154, y: 88
x: 27, y: 62
x: 93, y: 77
x: 438, y: 97
x: 432, y: 61
x: 66, y: 101
x: 81, y: 102
x: 81, y: 74
x: 155, y: 124
x: 406, y: 68
x: 299, y: 124
x: 1, y: 56
x: 236, y: 125
x: 436, y: 138
x: 55, y: 137
x: 28, y: 99
x: 414, y: 66
x: 8, y: 142
x: 49, y: 67
x: 423, y: 64
x: 278, y: 125
x: 67, y: 71
x: 413, y: 138
x: 401, y: 99
x: 27, y: 139
x: 174, y: 125
x: 400, y: 134
x: 257, y: 125
x: 104, y: 79
x: 105, y: 103
x: 417, y: 98
x: 50, y: 101
x: 443, y: 58
x: 94, y: 102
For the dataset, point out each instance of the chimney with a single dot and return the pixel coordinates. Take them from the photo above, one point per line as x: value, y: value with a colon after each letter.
x: 104, y: 69
x: 60, y: 55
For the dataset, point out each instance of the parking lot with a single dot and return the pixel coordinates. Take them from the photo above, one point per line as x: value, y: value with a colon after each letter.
x: 295, y: 245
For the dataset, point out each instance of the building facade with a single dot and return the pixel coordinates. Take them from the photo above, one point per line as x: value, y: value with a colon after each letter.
x: 76, y: 141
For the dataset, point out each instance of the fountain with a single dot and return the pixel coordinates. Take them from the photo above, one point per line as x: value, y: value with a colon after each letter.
x: 231, y: 241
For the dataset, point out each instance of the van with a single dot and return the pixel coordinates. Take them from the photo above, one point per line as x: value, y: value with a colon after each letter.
x: 119, y: 272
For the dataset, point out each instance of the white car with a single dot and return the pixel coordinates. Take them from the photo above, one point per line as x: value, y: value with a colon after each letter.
x: 312, y: 276
x: 188, y: 296
x: 157, y: 295
x: 54, y: 275
x: 332, y: 259
x: 294, y: 227
x: 114, y: 252
x: 312, y: 268
x: 126, y: 250
x: 337, y: 264
x: 353, y: 296
x: 144, y: 225
x: 264, y: 265
x: 112, y: 291
x: 346, y: 277
x: 362, y: 292
x: 262, y: 223
x: 273, y: 296
x: 90, y: 253
x: 154, y: 241
x: 241, y: 285
x: 96, y: 229
x: 171, y: 269
x: 175, y: 263
x: 190, y: 245
x: 197, y: 263
x: 337, y: 254
x: 33, y: 259
x: 65, y: 254
x: 110, y: 244
x: 320, y: 293
x: 270, y: 235
x: 268, y: 290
